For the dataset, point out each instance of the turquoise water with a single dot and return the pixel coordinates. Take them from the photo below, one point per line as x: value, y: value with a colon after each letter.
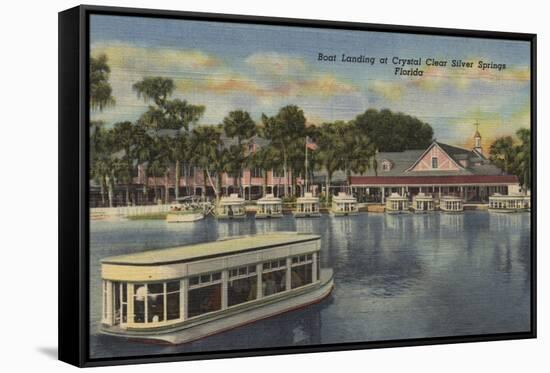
x: 396, y: 277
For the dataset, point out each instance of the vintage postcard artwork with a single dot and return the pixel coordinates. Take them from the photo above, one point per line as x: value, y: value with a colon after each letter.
x: 260, y: 186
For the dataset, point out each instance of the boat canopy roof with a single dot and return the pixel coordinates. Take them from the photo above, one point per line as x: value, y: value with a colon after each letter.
x: 451, y: 198
x: 509, y: 196
x: 343, y: 197
x: 228, y: 246
x: 233, y: 199
x: 395, y: 197
x: 307, y: 198
x: 422, y: 196
x: 270, y: 199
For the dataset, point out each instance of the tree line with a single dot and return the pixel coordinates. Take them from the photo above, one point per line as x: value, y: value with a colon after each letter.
x: 513, y: 156
x: 166, y: 136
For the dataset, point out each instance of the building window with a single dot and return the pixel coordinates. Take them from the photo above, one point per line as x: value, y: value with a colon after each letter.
x: 386, y: 165
x: 278, y: 173
x: 302, y: 271
x: 256, y: 172
x: 205, y: 294
x: 434, y: 162
x: 243, y: 282
x: 274, y: 277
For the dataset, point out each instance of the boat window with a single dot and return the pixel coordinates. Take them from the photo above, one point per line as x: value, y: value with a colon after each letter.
x: 155, y: 303
x: 173, y: 300
x: 216, y: 276
x: 302, y: 271
x: 204, y: 299
x: 274, y: 277
x: 242, y: 285
x: 205, y: 295
x: 140, y: 292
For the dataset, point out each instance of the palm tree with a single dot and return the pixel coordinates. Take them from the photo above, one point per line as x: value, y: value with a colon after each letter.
x: 239, y: 124
x: 265, y: 159
x: 285, y: 129
x: 100, y: 88
x: 331, y: 149
x: 171, y: 119
x: 125, y: 135
x: 502, y: 152
x: 523, y: 158
x: 210, y: 155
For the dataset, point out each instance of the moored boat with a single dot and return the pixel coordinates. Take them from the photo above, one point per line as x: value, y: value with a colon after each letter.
x: 269, y: 206
x: 307, y: 206
x: 185, y: 293
x: 451, y: 204
x: 231, y: 207
x: 397, y: 204
x: 343, y: 204
x: 423, y: 203
x: 509, y: 203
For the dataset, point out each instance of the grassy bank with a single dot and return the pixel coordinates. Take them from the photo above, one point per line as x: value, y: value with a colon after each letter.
x: 153, y: 216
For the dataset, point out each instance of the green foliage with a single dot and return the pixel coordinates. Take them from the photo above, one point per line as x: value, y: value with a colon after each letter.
x: 394, y: 132
x: 514, y: 158
x: 100, y: 88
x: 502, y: 153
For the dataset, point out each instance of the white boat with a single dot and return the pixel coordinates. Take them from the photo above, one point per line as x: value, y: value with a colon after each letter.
x: 343, y: 204
x: 269, y: 207
x: 423, y: 203
x: 307, y: 206
x: 397, y: 204
x: 451, y: 204
x: 184, y: 216
x: 509, y: 203
x: 231, y: 207
x: 181, y: 294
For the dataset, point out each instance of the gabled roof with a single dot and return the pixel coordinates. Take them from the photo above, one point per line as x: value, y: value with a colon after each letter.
x: 455, y: 154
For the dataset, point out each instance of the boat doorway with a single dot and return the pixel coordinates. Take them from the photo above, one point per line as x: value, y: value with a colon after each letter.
x: 120, y: 303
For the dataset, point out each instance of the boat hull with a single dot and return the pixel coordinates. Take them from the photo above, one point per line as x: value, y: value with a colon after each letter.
x: 229, y: 319
x: 452, y: 211
x: 423, y: 211
x: 397, y: 212
x: 509, y: 211
x: 306, y: 214
x: 226, y: 217
x: 183, y: 218
x: 268, y: 216
x: 342, y: 213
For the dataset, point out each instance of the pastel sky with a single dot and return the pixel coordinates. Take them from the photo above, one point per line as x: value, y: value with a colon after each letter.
x: 227, y: 66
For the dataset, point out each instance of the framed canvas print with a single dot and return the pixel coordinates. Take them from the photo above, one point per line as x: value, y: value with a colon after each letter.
x: 237, y: 186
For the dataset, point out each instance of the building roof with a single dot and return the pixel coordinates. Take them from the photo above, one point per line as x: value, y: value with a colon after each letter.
x: 210, y: 249
x: 471, y: 163
x: 434, y: 180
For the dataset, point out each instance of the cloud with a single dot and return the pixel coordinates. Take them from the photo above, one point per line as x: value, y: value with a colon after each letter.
x: 460, y: 78
x: 389, y: 90
x: 153, y: 60
x: 276, y: 64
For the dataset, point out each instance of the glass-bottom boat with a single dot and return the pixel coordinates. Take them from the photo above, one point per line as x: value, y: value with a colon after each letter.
x: 509, y: 203
x: 451, y: 204
x: 181, y: 294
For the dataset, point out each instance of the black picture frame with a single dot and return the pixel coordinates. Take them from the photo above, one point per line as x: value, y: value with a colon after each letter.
x: 73, y: 183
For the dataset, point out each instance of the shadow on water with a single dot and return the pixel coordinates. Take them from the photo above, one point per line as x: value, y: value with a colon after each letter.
x: 396, y: 276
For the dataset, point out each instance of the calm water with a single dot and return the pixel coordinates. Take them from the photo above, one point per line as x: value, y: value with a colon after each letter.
x: 396, y: 276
